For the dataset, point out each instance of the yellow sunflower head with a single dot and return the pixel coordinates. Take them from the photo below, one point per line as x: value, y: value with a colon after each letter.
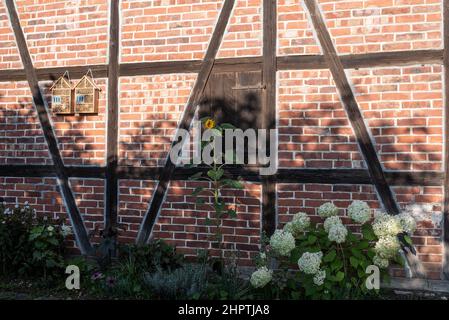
x: 209, y: 124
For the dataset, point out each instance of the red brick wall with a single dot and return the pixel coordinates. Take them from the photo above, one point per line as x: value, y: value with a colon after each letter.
x: 402, y: 106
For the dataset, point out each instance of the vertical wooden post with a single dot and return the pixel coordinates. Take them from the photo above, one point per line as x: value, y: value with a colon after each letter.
x: 446, y: 139
x: 111, y: 196
x: 269, y: 219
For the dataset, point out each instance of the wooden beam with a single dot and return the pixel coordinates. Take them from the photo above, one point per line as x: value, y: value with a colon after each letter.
x: 446, y: 140
x: 292, y: 62
x: 324, y: 176
x: 50, y: 137
x: 352, y: 109
x: 269, y: 211
x: 111, y: 195
x: 186, y: 120
x: 367, y: 60
x: 29, y: 171
x: 189, y: 66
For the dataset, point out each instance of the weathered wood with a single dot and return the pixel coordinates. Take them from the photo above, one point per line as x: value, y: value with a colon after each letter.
x: 186, y: 120
x: 446, y: 139
x: 269, y: 212
x: 111, y: 196
x: 28, y: 171
x: 367, y: 60
x: 50, y: 138
x: 189, y: 66
x: 248, y: 173
x: 292, y: 62
x: 352, y: 109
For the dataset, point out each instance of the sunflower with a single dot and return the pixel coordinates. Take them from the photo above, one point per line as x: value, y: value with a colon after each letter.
x: 209, y: 124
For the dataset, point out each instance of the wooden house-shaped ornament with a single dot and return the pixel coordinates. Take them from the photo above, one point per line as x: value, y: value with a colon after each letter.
x: 62, y: 96
x: 86, y: 95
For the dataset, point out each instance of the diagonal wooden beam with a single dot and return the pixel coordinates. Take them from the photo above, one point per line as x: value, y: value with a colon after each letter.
x: 186, y: 120
x: 111, y: 197
x: 50, y: 137
x: 269, y: 218
x: 446, y: 139
x: 352, y: 109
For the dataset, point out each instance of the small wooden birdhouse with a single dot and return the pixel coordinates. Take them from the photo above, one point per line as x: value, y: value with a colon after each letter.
x: 86, y: 95
x: 62, y: 96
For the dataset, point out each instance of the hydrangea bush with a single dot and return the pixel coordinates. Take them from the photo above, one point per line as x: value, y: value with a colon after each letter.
x: 331, y: 259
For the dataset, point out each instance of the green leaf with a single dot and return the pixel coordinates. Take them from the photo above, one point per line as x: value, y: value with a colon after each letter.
x: 232, y: 183
x: 337, y: 264
x: 197, y: 191
x: 196, y: 176
x: 330, y: 256
x: 227, y: 126
x: 408, y: 240
x: 363, y: 245
x: 215, y: 174
x: 340, y: 276
x: 357, y: 253
x: 368, y: 233
x: 200, y: 201
x: 311, y: 239
x: 232, y: 213
x: 216, y: 132
x: 295, y: 255
x: 354, y: 262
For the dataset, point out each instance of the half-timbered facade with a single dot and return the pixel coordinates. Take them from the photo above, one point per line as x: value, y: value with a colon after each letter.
x: 357, y: 90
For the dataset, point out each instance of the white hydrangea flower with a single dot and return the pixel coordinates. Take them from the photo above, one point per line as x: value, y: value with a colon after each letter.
x: 380, y: 262
x: 386, y: 225
x: 337, y: 233
x: 50, y: 228
x: 387, y: 247
x: 319, y: 277
x: 261, y: 277
x: 327, y: 210
x: 408, y: 223
x: 282, y: 242
x: 309, y: 263
x: 359, y: 211
x: 66, y: 230
x: 298, y: 225
x: 331, y: 221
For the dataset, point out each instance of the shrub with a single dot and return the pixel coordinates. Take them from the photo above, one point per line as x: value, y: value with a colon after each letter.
x: 187, y: 282
x: 15, y: 248
x: 332, y: 261
x: 30, y: 246
x: 125, y: 277
x: 150, y: 257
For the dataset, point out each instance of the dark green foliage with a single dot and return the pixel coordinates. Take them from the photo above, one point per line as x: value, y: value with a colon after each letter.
x: 30, y: 246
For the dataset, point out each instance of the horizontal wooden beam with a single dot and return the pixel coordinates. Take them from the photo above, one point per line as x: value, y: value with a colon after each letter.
x: 355, y: 61
x: 293, y: 62
x: 41, y: 171
x: 251, y: 174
